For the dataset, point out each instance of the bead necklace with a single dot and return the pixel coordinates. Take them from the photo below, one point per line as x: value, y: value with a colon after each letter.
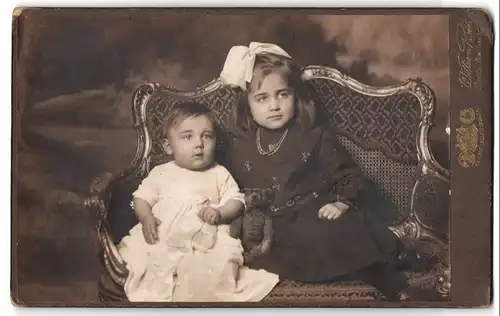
x: 273, y: 148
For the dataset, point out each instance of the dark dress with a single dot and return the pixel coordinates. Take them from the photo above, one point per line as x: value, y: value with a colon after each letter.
x: 309, y: 170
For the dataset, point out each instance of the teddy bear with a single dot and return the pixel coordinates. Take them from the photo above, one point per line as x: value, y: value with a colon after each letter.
x: 254, y: 228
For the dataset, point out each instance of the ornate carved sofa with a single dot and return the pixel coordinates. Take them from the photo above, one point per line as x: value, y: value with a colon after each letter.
x: 385, y: 129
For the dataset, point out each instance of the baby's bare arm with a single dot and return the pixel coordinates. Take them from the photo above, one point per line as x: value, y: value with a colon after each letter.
x: 142, y: 209
x: 230, y: 211
x: 148, y: 220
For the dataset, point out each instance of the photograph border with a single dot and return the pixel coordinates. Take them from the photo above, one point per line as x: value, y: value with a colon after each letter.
x: 471, y: 280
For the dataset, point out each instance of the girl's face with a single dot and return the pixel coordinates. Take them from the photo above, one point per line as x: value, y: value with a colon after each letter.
x: 192, y: 142
x: 273, y: 103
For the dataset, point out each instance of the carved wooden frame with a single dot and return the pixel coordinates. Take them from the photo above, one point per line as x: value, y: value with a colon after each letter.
x: 412, y: 228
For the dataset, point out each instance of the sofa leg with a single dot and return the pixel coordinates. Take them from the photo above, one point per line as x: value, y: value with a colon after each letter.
x: 444, y: 282
x: 102, y: 298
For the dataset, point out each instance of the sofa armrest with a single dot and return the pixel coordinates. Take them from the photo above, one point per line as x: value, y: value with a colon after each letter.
x: 98, y: 198
x: 98, y: 203
x: 113, y: 263
x: 426, y: 228
x: 429, y: 210
x: 430, y: 204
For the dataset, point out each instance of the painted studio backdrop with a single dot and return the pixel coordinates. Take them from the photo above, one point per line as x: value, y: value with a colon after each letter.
x: 79, y: 71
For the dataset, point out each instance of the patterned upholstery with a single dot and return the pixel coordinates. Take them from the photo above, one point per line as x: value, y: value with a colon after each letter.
x: 394, y: 180
x: 388, y: 124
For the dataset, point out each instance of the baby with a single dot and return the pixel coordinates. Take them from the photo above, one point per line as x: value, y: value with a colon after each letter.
x: 181, y: 250
x: 191, y: 139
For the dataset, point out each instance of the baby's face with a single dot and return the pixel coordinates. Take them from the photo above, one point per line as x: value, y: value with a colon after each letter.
x: 192, y: 142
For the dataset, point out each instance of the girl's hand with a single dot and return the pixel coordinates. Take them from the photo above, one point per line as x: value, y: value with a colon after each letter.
x: 210, y: 215
x: 150, y: 229
x: 332, y: 210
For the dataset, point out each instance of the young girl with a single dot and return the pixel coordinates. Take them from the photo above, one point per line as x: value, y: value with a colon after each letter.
x: 280, y: 142
x: 181, y: 249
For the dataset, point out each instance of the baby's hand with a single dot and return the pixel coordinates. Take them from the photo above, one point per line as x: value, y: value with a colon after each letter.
x: 332, y: 210
x: 150, y: 229
x: 210, y: 215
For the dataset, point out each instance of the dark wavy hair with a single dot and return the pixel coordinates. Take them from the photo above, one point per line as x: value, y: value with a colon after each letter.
x: 265, y: 64
x: 181, y: 111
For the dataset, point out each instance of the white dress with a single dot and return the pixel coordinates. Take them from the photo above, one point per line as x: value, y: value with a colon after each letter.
x: 193, y: 261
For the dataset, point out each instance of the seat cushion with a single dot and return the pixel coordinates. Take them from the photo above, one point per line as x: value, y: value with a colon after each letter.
x: 291, y: 291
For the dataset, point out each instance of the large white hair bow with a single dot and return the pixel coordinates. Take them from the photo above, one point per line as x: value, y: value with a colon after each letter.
x: 240, y: 61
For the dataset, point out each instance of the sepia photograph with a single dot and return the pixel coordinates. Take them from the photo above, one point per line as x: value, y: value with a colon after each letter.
x: 227, y: 156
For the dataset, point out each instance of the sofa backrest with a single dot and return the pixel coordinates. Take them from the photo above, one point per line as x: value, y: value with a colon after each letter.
x: 385, y: 128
